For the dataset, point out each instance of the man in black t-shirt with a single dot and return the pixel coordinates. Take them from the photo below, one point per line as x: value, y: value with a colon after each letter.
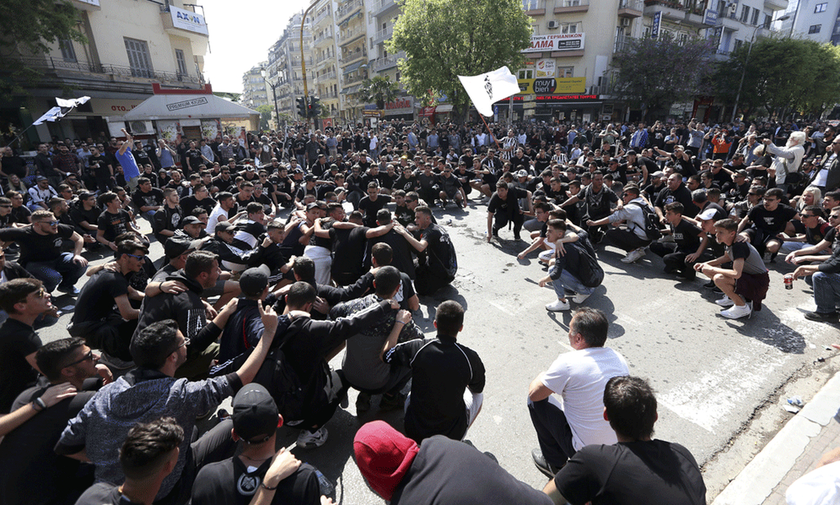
x: 688, y: 239
x: 402, y: 473
x: 71, y: 367
x: 96, y: 319
x: 147, y: 199
x: 168, y: 218
x: 113, y: 222
x: 23, y: 300
x: 237, y: 480
x: 84, y: 214
x: 40, y: 251
x: 635, y: 469
x: 371, y: 204
x: 503, y: 208
x: 675, y: 191
x: 437, y: 261
x: 768, y: 223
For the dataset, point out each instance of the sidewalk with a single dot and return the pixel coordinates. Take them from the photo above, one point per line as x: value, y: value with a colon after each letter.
x: 793, y: 452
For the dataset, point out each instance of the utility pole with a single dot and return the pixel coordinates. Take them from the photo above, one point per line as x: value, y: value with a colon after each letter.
x: 303, y: 60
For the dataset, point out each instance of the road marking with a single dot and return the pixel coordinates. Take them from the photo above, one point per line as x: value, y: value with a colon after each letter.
x: 708, y: 399
x: 506, y: 311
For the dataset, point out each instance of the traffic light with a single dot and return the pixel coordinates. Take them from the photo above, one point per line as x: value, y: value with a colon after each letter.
x: 301, y: 107
x: 314, y: 107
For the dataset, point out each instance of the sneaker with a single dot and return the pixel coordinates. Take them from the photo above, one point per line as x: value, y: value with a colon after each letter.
x: 72, y: 290
x: 557, y: 306
x: 362, y: 403
x: 710, y: 285
x: 544, y: 466
x: 392, y: 402
x: 309, y: 440
x: 580, y: 298
x: 736, y: 312
x: 633, y: 256
x: 823, y: 317
x: 725, y: 301
x: 517, y: 237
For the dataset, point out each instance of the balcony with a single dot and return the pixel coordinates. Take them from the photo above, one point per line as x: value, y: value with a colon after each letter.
x: 675, y: 11
x: 534, y: 7
x: 570, y: 6
x: 86, y: 5
x: 325, y: 37
x: 381, y: 7
x: 324, y: 58
x: 320, y: 16
x: 347, y: 9
x: 326, y: 76
x: 383, y: 34
x: 630, y: 8
x: 776, y: 5
x: 348, y: 36
x: 352, y: 57
x: 85, y: 75
x: 354, y: 78
x: 387, y: 62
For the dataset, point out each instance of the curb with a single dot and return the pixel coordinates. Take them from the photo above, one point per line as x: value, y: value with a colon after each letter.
x: 760, y: 477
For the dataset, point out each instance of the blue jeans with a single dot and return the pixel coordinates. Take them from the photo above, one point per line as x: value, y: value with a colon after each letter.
x: 570, y: 282
x: 826, y: 291
x: 61, y: 272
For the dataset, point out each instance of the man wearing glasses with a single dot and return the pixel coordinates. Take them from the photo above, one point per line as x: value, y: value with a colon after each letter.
x: 825, y: 275
x: 104, y: 316
x: 40, y: 251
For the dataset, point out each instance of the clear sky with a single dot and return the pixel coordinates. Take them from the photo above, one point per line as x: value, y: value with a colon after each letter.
x: 240, y: 34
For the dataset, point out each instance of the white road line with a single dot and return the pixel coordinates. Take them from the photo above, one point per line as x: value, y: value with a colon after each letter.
x: 503, y: 309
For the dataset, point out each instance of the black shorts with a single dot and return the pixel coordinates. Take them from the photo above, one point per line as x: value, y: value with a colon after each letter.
x: 753, y: 287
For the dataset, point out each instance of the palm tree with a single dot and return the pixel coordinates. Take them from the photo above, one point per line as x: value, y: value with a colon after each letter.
x: 379, y: 89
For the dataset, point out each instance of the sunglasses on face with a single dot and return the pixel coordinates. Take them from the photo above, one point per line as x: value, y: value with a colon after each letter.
x: 88, y: 356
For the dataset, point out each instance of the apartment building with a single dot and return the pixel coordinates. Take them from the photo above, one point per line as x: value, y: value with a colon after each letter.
x: 254, y: 88
x: 352, y: 55
x: 325, y: 49
x: 817, y: 20
x: 382, y: 15
x: 131, y: 44
x: 284, y: 72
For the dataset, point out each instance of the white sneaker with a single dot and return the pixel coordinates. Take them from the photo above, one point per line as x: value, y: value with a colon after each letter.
x: 557, y: 306
x: 725, y: 301
x: 580, y: 298
x: 634, y: 255
x: 307, y: 440
x: 736, y: 312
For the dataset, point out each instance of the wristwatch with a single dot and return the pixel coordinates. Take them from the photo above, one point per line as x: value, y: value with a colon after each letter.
x: 38, y: 404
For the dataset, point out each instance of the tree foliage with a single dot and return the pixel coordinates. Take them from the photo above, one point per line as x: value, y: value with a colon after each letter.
x: 30, y: 27
x: 380, y: 90
x: 782, y: 74
x: 656, y: 73
x: 265, y: 116
x: 446, y: 38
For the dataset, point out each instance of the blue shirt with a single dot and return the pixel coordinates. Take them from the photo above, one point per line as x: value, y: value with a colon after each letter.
x: 128, y: 164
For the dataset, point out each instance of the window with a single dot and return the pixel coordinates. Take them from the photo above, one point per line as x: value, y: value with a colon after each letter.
x: 682, y: 38
x: 767, y: 21
x: 182, y: 62
x: 527, y: 73
x: 571, y: 3
x: 530, y: 5
x: 569, y: 28
x: 755, y: 14
x: 565, y: 72
x: 814, y: 29
x: 67, y: 50
x: 138, y: 57
x: 745, y: 14
x: 738, y: 43
x: 535, y: 28
x: 820, y: 7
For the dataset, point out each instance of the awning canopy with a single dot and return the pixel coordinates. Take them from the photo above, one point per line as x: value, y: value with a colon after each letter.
x: 353, y: 67
x: 351, y: 89
x: 183, y: 106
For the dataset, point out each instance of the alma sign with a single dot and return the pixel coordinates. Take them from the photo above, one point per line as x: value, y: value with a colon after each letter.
x: 556, y: 42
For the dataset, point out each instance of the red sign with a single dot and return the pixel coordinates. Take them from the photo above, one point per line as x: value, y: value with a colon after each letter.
x: 402, y: 103
x: 427, y: 112
x: 555, y: 98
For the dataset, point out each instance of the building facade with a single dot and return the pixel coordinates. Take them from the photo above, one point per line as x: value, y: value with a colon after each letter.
x: 817, y: 20
x: 130, y: 45
x: 254, y: 88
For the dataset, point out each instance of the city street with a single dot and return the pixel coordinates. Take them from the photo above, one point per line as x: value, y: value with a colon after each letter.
x: 712, y: 375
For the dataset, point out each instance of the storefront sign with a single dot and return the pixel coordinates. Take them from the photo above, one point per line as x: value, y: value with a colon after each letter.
x: 654, y: 29
x: 427, y: 112
x: 563, y: 85
x: 404, y: 105
x: 710, y: 17
x: 545, y: 68
x: 186, y: 104
x: 555, y: 42
x: 188, y: 20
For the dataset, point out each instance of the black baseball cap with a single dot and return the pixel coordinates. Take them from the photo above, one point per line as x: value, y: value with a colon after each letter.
x: 254, y: 413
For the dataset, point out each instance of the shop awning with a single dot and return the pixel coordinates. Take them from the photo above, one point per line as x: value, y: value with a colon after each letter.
x: 353, y: 67
x: 181, y: 106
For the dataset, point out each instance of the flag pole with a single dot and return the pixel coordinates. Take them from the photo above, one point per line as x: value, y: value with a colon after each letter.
x: 489, y: 132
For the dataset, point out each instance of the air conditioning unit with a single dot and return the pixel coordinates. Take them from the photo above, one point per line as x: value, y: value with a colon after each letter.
x: 141, y: 127
x: 553, y: 25
x: 732, y: 9
x: 625, y: 21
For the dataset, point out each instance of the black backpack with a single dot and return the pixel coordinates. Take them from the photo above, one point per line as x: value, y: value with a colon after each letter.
x: 283, y: 383
x: 651, y: 221
x: 590, y: 272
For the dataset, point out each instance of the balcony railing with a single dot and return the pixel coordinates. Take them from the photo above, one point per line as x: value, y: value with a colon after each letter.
x: 387, y: 62
x: 631, y: 8
x: 321, y: 16
x: 534, y: 7
x: 348, y: 9
x: 569, y: 6
x: 108, y: 69
x: 349, y: 35
x: 383, y: 34
x: 381, y: 5
x: 325, y: 35
x: 351, y: 56
x: 327, y: 76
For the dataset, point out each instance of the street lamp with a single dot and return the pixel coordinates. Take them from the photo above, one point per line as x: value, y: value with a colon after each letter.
x: 744, y: 73
x: 273, y: 95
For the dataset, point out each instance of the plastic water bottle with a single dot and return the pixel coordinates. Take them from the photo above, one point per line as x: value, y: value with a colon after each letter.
x: 327, y: 487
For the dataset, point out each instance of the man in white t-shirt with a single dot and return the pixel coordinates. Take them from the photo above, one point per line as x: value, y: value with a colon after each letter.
x: 579, y: 378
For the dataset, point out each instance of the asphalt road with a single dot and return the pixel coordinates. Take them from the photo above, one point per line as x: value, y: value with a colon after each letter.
x: 710, y: 374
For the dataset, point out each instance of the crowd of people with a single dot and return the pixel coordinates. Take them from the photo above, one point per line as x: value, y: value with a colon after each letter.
x: 283, y: 249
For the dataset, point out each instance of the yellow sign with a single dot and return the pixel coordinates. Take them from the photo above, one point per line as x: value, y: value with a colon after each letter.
x: 553, y: 86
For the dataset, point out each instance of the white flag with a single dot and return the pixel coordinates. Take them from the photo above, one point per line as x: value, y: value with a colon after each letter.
x: 51, y: 115
x: 73, y: 102
x: 485, y: 89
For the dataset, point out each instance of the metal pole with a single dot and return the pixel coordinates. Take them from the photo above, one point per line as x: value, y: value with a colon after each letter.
x: 303, y: 62
x: 743, y: 74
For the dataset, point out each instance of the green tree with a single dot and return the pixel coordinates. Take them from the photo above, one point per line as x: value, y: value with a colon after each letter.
x: 265, y: 116
x: 446, y: 38
x: 656, y: 73
x: 30, y: 28
x: 379, y: 90
x: 782, y: 75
